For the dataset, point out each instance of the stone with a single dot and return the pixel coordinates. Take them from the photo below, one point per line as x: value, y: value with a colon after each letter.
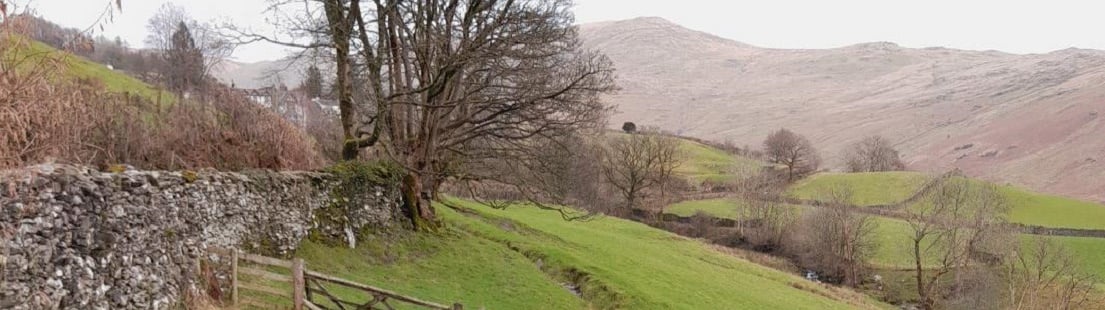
x: 86, y: 239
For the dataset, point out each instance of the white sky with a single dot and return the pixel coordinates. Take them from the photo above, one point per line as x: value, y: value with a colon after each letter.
x: 1008, y: 25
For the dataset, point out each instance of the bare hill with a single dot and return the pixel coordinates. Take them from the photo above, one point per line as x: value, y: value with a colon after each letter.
x: 1032, y: 120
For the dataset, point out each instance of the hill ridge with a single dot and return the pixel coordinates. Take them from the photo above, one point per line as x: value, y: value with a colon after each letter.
x: 1028, y: 117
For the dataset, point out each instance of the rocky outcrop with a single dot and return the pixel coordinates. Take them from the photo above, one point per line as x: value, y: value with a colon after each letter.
x: 73, y: 237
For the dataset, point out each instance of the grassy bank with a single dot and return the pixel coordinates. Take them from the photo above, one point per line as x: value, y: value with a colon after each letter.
x: 523, y: 258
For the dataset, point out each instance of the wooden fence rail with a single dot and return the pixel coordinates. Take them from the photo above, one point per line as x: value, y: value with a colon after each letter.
x: 307, y: 289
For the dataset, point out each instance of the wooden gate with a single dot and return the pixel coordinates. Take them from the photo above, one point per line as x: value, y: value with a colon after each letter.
x: 269, y: 283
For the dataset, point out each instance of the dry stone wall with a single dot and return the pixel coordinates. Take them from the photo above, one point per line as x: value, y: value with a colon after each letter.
x: 76, y: 238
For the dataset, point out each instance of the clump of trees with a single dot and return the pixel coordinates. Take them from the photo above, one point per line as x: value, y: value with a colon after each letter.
x: 190, y: 49
x: 637, y: 163
x: 872, y: 154
x: 961, y: 224
x: 794, y: 152
x: 836, y: 240
x: 763, y: 222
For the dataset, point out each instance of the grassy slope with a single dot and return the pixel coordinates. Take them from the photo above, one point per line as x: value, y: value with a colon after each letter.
x: 1053, y: 211
x: 894, y: 239
x: 454, y: 267
x: 478, y: 262
x: 721, y: 207
x: 705, y: 163
x: 81, y: 68
x: 871, y: 188
x: 892, y: 187
x: 650, y: 268
x: 893, y: 235
x: 1089, y: 252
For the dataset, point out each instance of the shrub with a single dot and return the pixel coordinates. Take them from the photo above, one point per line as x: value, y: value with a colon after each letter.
x: 45, y: 115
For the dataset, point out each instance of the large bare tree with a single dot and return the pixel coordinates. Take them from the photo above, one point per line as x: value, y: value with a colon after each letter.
x: 794, y: 152
x: 872, y: 154
x: 456, y: 85
x: 636, y: 163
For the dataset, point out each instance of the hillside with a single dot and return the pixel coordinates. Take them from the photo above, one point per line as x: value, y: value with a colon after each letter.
x: 537, y: 258
x: 893, y: 235
x: 33, y: 53
x: 888, y: 188
x: 1031, y: 120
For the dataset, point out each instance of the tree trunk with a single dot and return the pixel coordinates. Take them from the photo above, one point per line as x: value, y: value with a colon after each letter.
x: 922, y: 292
x: 418, y: 202
x: 340, y: 28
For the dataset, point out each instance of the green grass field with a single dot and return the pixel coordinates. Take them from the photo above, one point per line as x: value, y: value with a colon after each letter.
x: 894, y: 250
x: 490, y: 258
x: 34, y: 52
x: 884, y: 188
x: 705, y: 163
x: 869, y: 188
x: 1088, y: 252
x: 453, y: 267
x: 892, y: 234
x: 1053, y: 211
x: 721, y: 207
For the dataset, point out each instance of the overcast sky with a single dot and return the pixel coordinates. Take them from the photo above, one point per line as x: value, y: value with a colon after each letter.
x: 1008, y: 25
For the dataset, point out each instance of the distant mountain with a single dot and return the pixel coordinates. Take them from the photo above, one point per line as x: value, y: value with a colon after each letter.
x: 261, y: 74
x: 1033, y: 120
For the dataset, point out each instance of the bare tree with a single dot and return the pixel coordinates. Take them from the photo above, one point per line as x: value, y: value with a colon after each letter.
x: 165, y: 29
x: 765, y: 224
x: 572, y: 174
x: 455, y: 86
x: 975, y: 287
x: 793, y: 151
x: 635, y: 163
x: 836, y: 239
x: 959, y: 221
x: 762, y: 221
x: 1044, y: 275
x: 872, y: 154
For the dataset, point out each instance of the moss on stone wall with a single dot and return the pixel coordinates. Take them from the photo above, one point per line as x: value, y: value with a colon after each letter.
x: 189, y: 176
x: 353, y: 179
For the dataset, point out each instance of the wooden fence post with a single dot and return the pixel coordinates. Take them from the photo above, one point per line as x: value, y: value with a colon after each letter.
x: 299, y: 285
x: 234, y: 276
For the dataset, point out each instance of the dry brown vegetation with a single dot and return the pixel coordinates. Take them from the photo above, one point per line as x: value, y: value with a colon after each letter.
x: 835, y: 240
x: 45, y: 115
